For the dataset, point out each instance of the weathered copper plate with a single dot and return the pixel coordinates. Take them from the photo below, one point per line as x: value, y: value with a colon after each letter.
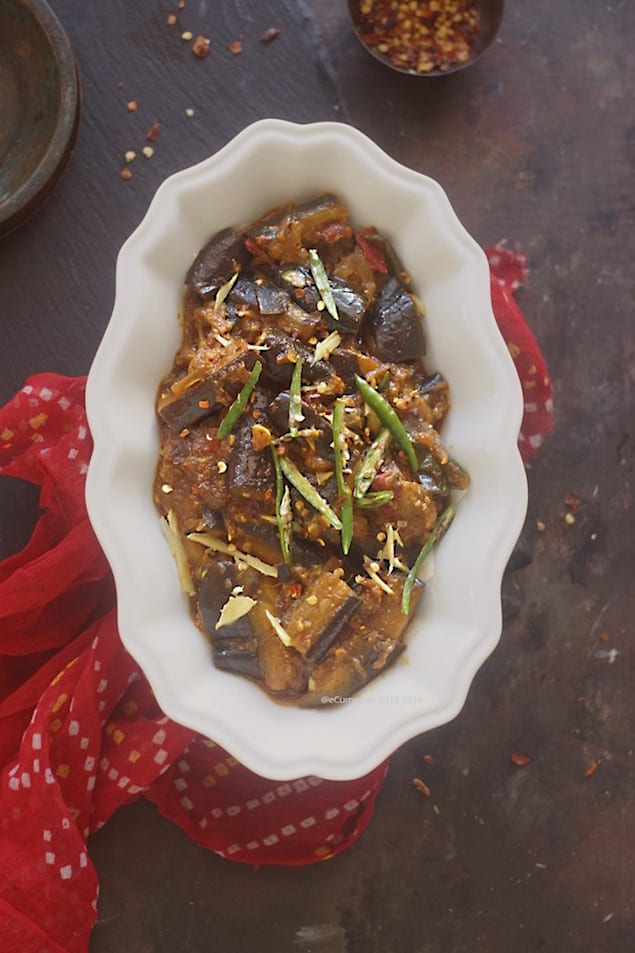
x: 39, y: 107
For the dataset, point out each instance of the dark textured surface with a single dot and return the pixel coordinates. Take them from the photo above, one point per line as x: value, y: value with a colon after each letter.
x: 533, y: 144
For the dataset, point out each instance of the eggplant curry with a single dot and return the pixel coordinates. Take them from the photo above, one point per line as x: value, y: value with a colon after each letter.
x: 302, y: 479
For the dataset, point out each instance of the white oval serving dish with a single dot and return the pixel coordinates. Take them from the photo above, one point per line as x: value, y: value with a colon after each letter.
x: 458, y: 622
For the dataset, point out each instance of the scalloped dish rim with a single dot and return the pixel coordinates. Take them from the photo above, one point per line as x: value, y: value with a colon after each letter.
x: 459, y: 621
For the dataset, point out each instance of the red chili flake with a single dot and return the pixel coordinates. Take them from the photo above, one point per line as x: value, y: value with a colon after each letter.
x: 419, y: 37
x: 268, y: 493
x: 203, y: 404
x: 153, y: 132
x: 171, y: 20
x: 132, y: 106
x: 372, y: 253
x: 235, y: 47
x: 573, y: 501
x: 591, y: 769
x: 181, y: 4
x: 185, y: 432
x: 200, y: 46
x: 294, y: 589
x: 603, y: 636
x: 427, y: 758
x: 520, y: 760
x: 269, y: 35
x: 126, y: 173
x: 421, y: 786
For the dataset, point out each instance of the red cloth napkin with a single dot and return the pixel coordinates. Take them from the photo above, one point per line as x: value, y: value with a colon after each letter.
x: 80, y: 731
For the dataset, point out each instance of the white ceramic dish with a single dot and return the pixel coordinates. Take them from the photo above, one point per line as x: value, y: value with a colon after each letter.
x: 459, y: 618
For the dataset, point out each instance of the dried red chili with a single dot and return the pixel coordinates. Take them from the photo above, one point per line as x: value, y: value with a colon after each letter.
x: 420, y: 35
x: 153, y: 132
x: 200, y: 47
x: 520, y: 760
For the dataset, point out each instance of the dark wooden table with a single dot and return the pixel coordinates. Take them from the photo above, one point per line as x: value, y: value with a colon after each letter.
x: 534, y: 145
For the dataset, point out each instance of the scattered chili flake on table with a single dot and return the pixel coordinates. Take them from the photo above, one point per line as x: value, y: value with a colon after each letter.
x: 132, y: 106
x: 573, y: 501
x: 420, y: 35
x: 200, y: 46
x: 171, y: 20
x: 591, y: 769
x: 235, y: 47
x: 126, y: 173
x: 153, y: 132
x: 427, y: 758
x: 520, y: 760
x: 269, y: 35
x: 421, y: 786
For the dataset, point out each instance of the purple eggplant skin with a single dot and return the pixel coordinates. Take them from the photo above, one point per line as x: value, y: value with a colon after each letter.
x: 241, y: 299
x: 307, y: 296
x: 345, y: 363
x: 333, y: 628
x: 351, y: 308
x: 271, y: 300
x: 395, y: 324
x: 235, y: 647
x: 277, y: 366
x: 216, y: 262
x: 249, y: 474
x: 186, y: 410
x: 278, y: 413
x: 431, y: 383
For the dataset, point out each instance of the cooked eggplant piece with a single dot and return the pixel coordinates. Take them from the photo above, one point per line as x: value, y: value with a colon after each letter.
x: 395, y: 324
x: 234, y: 644
x: 283, y: 352
x: 319, y: 618
x: 298, y: 282
x: 345, y: 363
x: 242, y: 299
x: 351, y: 307
x: 217, y: 262
x: 271, y: 300
x: 249, y: 473
x: 431, y: 475
x: 374, y: 641
x: 431, y: 383
x: 278, y: 413
x: 189, y: 408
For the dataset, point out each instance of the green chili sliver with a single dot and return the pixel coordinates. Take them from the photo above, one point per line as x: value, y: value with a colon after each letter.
x: 308, y: 491
x: 371, y: 463
x: 389, y: 419
x: 230, y: 419
x: 322, y: 283
x: 438, y: 531
x: 343, y: 488
x: 295, y: 399
x: 380, y: 498
x: 283, y: 521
